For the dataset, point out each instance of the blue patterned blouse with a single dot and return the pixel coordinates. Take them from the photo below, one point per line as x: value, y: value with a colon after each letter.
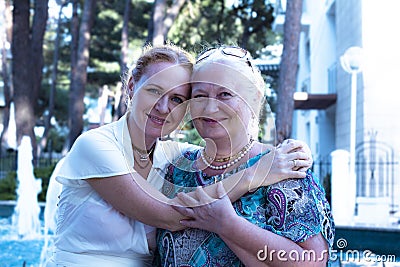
x: 296, y: 209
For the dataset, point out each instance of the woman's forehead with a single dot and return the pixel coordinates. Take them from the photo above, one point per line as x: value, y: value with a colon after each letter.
x: 166, y: 74
x: 199, y: 85
x: 221, y: 75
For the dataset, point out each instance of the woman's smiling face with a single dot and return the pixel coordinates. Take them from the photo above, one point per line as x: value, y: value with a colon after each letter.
x: 219, y: 105
x: 158, y: 103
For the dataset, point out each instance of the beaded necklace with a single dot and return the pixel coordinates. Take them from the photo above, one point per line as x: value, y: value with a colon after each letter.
x: 232, y: 159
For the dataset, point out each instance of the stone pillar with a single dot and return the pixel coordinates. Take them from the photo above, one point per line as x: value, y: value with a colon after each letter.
x: 343, y: 188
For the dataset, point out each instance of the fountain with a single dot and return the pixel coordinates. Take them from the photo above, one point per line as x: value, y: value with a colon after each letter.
x: 26, y: 213
x: 12, y: 129
x: 53, y: 191
x: 22, y: 241
x: 20, y: 232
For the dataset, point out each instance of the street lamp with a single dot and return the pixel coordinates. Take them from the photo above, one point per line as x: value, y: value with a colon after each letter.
x: 351, y: 62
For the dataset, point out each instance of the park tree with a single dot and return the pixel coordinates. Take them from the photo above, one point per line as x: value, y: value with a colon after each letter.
x: 124, y: 62
x: 53, y: 81
x: 164, y: 14
x: 107, y: 52
x: 5, y: 39
x: 114, y: 38
x: 288, y: 69
x: 245, y: 23
x: 256, y: 17
x: 27, y: 63
x: 79, y: 66
x: 115, y: 45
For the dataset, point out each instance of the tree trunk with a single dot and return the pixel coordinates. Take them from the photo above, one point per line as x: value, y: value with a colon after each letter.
x: 120, y: 105
x: 5, y: 38
x: 22, y: 78
x: 158, y: 21
x: 37, y: 61
x: 288, y: 69
x: 27, y: 50
x: 74, y: 36
x: 47, y: 119
x: 163, y: 19
x: 171, y: 15
x: 74, y: 59
x: 78, y: 80
x: 220, y: 21
x: 124, y: 37
x: 150, y: 27
x: 246, y: 35
x: 38, y: 29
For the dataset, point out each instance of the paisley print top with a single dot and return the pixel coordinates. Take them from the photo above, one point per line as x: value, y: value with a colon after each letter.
x: 296, y: 209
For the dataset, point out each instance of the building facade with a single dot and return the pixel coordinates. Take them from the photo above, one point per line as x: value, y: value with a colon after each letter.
x: 323, y: 96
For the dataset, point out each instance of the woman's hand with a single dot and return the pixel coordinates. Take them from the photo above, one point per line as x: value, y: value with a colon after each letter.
x: 297, y: 153
x: 299, y: 146
x: 205, y: 212
x: 291, y: 159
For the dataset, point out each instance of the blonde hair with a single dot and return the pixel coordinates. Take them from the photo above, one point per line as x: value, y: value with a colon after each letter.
x: 150, y: 55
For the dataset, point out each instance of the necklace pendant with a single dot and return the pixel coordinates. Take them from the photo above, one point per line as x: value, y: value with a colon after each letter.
x: 143, y: 158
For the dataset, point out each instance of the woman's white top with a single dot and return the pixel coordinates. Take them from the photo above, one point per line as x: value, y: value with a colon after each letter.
x: 90, y: 232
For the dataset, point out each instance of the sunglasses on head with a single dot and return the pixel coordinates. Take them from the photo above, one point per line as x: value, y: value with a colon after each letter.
x: 233, y: 51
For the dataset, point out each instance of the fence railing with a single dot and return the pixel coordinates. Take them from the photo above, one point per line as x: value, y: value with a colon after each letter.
x: 322, y: 167
x: 8, y: 161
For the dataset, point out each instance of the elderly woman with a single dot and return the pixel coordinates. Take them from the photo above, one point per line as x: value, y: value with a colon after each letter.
x: 288, y: 223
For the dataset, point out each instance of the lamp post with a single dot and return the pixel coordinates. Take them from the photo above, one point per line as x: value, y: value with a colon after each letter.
x: 351, y: 62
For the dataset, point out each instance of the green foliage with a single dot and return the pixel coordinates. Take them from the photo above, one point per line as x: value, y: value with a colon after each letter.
x: 247, y: 23
x: 105, y: 51
x: 60, y: 111
x: 56, y: 141
x: 191, y: 136
x: 199, y: 23
x: 105, y: 46
x: 8, y: 185
x: 44, y: 173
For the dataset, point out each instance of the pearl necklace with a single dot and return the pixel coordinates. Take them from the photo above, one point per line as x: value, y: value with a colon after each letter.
x: 235, y: 159
x: 225, y: 159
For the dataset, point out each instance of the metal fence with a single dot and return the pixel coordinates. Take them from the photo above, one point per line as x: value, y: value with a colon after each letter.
x: 322, y: 167
x: 375, y: 169
x: 8, y: 161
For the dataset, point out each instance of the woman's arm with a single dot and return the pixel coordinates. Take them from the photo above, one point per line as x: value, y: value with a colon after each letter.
x: 272, y: 168
x: 133, y: 196
x: 253, y: 245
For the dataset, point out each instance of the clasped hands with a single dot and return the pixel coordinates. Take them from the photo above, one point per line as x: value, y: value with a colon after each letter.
x: 205, y: 212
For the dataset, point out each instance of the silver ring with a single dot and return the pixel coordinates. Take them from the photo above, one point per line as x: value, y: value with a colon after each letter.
x: 294, y: 163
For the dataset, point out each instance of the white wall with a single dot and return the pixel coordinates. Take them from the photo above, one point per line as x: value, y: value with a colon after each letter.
x: 317, y: 53
x: 381, y: 73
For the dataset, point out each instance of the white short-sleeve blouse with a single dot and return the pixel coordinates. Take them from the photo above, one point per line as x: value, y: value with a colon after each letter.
x: 86, y: 224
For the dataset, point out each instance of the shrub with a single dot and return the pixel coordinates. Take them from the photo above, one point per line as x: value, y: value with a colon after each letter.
x: 8, y: 185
